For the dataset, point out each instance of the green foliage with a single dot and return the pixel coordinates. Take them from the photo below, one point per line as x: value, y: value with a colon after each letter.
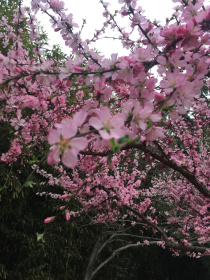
x: 7, y: 8
x: 55, y: 54
x: 122, y: 140
x: 115, y: 146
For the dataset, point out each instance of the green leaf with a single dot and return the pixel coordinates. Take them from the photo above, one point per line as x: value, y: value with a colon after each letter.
x: 34, y: 160
x: 112, y: 143
x: 116, y: 148
x: 2, y: 188
x: 149, y: 123
x: 123, y: 139
x: 40, y: 237
x: 30, y: 184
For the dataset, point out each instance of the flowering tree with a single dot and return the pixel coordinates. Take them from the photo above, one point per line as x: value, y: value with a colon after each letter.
x: 127, y: 136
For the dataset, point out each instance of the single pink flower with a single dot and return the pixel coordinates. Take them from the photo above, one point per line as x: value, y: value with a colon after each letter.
x: 154, y: 133
x: 64, y: 144
x: 109, y: 127
x: 142, y: 114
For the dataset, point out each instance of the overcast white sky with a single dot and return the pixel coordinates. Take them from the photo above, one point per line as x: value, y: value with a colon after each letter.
x: 91, y: 10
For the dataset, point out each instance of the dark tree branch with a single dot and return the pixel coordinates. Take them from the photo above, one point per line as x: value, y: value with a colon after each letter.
x: 142, y: 30
x: 114, y: 254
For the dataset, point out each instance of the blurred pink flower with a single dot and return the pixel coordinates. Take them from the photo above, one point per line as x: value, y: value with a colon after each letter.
x: 64, y: 144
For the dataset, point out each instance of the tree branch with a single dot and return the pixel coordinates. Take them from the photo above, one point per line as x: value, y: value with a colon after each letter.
x: 92, y: 260
x: 183, y: 171
x: 115, y: 253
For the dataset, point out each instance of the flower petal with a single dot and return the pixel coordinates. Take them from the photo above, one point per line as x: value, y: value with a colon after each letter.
x: 69, y: 129
x: 79, y: 143
x: 105, y: 135
x: 56, y: 153
x: 53, y: 137
x: 69, y: 158
x: 79, y: 118
x: 95, y: 122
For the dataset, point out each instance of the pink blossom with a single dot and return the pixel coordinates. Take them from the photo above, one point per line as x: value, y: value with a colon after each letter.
x: 172, y: 81
x: 159, y: 96
x: 154, y: 133
x: 142, y: 114
x: 57, y: 5
x: 18, y: 122
x: 126, y: 73
x: 146, y: 242
x: 109, y: 127
x: 88, y: 180
x: 64, y: 144
x: 169, y: 33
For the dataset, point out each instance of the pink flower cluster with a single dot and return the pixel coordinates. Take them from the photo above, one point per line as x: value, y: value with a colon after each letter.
x: 131, y: 128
